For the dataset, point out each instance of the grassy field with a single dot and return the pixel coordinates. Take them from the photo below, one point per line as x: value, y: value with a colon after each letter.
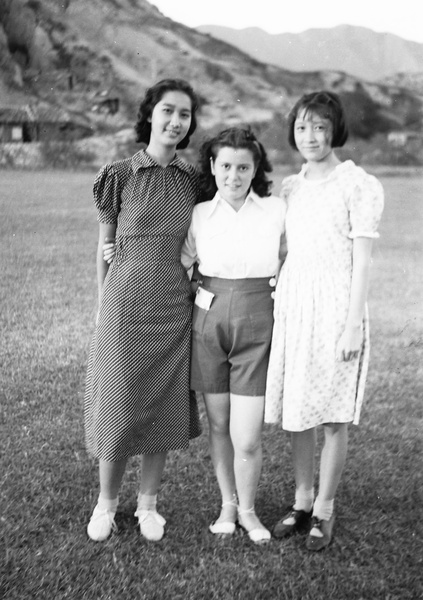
x: 49, y: 485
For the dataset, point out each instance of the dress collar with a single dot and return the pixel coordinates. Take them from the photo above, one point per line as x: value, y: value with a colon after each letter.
x: 142, y: 160
x: 339, y: 168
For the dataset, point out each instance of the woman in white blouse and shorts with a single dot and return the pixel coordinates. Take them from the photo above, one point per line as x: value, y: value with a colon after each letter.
x: 236, y: 239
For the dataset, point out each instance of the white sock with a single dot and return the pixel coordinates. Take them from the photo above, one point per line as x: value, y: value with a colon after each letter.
x: 107, y: 503
x: 304, y: 500
x: 146, y: 502
x: 323, y: 509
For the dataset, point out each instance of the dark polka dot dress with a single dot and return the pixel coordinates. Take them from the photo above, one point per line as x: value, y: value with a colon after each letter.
x: 137, y: 395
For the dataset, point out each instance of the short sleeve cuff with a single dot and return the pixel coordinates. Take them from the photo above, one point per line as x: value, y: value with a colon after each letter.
x: 368, y: 234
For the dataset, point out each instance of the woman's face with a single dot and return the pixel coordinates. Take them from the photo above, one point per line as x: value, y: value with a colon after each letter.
x: 234, y: 171
x: 313, y: 136
x: 171, y: 118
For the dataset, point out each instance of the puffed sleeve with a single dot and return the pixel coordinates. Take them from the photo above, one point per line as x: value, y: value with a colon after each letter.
x: 107, y: 194
x: 365, y: 206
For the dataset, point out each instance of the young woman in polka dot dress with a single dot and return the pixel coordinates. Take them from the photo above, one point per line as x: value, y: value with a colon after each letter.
x: 137, y: 396
x: 320, y: 345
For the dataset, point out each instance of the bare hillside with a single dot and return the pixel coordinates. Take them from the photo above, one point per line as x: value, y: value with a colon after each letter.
x: 79, y: 55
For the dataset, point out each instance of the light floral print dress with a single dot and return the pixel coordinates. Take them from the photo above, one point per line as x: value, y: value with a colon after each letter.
x: 306, y: 384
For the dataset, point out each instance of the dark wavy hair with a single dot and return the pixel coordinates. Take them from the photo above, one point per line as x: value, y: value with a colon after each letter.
x: 235, y: 137
x: 328, y: 106
x: 152, y: 96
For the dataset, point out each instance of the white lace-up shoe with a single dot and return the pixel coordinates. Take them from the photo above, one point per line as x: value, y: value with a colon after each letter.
x: 101, y: 524
x: 151, y: 524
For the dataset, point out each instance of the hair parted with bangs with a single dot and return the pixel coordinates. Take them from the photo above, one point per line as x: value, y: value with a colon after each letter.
x: 153, y: 95
x: 328, y: 106
x: 236, y: 138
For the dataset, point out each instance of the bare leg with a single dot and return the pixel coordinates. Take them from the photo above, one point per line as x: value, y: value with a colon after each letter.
x: 111, y: 473
x: 303, y: 446
x: 151, y: 473
x: 222, y: 452
x: 151, y: 523
x: 246, y: 423
x: 102, y: 521
x: 332, y: 461
x: 303, y: 451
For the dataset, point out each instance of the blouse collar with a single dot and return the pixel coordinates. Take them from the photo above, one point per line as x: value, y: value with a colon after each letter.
x: 251, y: 197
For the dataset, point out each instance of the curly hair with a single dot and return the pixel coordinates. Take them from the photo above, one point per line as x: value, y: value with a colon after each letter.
x: 328, y: 106
x: 234, y: 137
x: 152, y: 96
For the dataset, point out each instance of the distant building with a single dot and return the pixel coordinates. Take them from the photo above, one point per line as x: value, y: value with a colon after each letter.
x: 401, y: 139
x: 41, y: 123
x: 106, y: 103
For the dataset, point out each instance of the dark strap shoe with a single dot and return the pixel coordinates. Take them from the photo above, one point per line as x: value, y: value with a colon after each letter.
x: 300, y: 523
x: 316, y: 543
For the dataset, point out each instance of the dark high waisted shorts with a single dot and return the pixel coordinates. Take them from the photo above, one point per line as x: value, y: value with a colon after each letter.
x: 231, y: 339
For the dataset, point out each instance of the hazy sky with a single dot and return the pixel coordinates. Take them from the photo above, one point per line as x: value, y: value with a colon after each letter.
x: 403, y: 18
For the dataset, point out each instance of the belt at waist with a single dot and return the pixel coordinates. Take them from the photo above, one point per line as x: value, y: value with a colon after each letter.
x: 219, y: 283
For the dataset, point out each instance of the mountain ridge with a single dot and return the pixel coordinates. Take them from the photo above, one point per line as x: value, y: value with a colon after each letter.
x: 359, y: 51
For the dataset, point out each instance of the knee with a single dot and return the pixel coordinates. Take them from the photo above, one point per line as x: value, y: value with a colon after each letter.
x: 219, y: 428
x: 248, y: 448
